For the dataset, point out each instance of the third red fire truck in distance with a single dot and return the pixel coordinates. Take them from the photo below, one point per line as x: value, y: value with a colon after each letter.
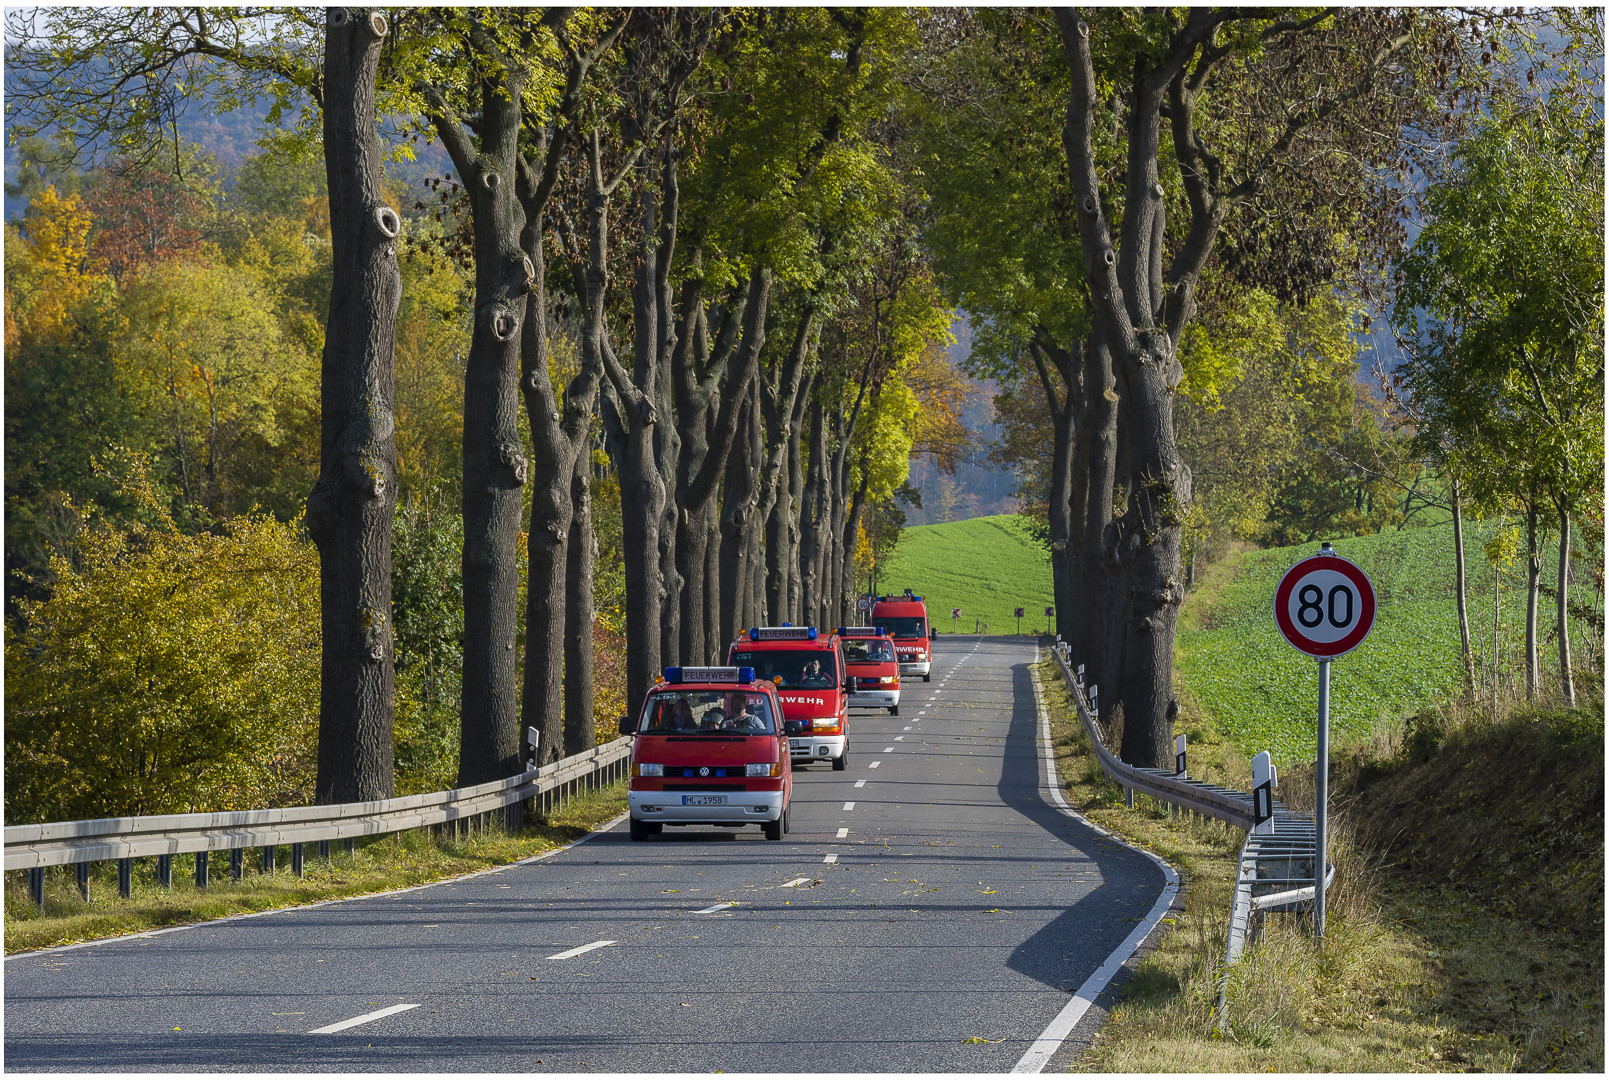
x: 905, y: 620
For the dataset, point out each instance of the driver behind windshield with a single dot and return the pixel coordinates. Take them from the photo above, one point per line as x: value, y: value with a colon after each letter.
x: 813, y: 677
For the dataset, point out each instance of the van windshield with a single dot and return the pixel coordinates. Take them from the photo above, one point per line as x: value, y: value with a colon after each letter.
x: 800, y: 669
x: 707, y: 712
x: 859, y: 650
x: 903, y: 626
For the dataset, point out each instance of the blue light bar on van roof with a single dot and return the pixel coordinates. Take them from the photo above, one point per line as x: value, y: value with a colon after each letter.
x: 782, y: 633
x: 709, y: 674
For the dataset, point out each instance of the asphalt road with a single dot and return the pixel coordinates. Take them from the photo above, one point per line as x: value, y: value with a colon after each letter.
x: 927, y: 896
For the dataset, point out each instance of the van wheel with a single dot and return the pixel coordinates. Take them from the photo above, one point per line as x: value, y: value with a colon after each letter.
x: 841, y: 762
x: 893, y: 710
x: 774, y: 829
x: 787, y: 823
x: 639, y: 829
x: 928, y: 677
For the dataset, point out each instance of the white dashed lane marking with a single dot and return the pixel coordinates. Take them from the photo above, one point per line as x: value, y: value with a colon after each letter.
x: 860, y: 783
x: 364, y: 1019
x: 874, y: 764
x: 579, y: 949
x: 795, y: 882
x: 830, y: 858
x: 849, y: 806
x: 717, y: 907
x: 842, y: 833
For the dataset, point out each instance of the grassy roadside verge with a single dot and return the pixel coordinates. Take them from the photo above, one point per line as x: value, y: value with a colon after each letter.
x: 1408, y: 979
x: 378, y: 865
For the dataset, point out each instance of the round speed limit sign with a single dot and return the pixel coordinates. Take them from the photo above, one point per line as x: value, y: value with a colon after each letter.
x: 1324, y: 606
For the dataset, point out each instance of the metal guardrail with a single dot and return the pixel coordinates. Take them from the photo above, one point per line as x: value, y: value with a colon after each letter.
x: 35, y: 847
x: 1274, y: 864
x: 1212, y: 800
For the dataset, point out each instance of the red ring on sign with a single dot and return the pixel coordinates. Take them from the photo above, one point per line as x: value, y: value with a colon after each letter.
x: 1324, y: 650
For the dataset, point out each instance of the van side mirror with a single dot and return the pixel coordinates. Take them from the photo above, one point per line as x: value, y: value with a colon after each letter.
x: 793, y: 727
x: 626, y: 726
x: 852, y: 684
x: 932, y: 632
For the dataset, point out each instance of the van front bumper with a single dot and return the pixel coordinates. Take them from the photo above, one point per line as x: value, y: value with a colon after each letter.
x: 682, y: 807
x: 877, y: 699
x: 915, y: 667
x: 817, y: 747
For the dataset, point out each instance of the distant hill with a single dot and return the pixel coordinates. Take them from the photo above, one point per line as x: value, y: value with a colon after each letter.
x: 985, y: 566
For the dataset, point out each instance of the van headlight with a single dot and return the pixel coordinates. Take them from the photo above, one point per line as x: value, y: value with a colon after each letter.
x: 763, y: 768
x: 888, y: 679
x: 645, y: 769
x: 824, y: 721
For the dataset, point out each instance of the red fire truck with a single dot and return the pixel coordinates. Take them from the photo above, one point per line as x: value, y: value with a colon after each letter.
x: 905, y: 619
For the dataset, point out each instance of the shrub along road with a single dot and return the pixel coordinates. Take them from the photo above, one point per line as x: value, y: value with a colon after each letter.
x: 929, y: 911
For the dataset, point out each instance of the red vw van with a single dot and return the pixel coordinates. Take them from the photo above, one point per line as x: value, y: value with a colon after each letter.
x: 812, y: 681
x: 875, y: 666
x: 905, y: 619
x: 711, y: 749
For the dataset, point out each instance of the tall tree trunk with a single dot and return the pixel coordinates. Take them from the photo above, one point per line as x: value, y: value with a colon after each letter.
x: 579, y: 734
x: 794, y: 511
x: 350, y: 508
x: 811, y: 523
x: 1465, y: 653
x: 1533, y: 588
x: 740, y: 495
x: 1566, y: 676
x: 782, y: 409
x: 494, y: 461
x: 1064, y: 410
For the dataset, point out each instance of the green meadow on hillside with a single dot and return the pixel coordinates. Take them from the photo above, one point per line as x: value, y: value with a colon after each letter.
x: 1263, y: 695
x: 985, y: 566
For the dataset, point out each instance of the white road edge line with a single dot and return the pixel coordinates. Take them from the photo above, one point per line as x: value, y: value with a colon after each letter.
x: 579, y: 949
x: 599, y: 831
x: 364, y: 1019
x: 718, y: 907
x: 1043, y: 1048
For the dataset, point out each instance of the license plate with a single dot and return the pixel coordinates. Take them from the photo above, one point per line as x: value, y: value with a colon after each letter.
x: 703, y: 800
x: 799, y: 744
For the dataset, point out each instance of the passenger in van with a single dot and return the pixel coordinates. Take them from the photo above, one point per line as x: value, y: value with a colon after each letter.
x: 681, y: 716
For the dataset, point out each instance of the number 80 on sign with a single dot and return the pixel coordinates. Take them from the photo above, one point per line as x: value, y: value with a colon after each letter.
x: 1324, y: 605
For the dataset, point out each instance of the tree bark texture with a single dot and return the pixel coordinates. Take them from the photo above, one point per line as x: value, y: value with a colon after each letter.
x: 1533, y: 588
x: 579, y: 733
x: 1566, y: 676
x: 1465, y: 653
x: 495, y: 468
x: 349, y: 511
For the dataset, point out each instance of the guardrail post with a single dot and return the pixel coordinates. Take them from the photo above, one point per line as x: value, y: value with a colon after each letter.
x: 164, y: 871
x: 351, y: 847
x: 236, y: 863
x: 1128, y: 797
x: 296, y: 859
x: 125, y: 878
x: 36, y: 887
x: 269, y: 854
x: 324, y: 851
x: 82, y: 870
x: 1264, y: 777
x: 203, y: 868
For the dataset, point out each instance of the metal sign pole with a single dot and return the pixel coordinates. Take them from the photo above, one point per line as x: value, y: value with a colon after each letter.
x: 1321, y: 818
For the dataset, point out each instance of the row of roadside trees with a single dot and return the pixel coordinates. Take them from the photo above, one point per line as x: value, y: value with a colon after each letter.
x: 724, y: 246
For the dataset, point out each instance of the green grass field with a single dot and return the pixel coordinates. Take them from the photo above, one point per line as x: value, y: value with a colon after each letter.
x: 985, y: 566
x: 1263, y: 695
